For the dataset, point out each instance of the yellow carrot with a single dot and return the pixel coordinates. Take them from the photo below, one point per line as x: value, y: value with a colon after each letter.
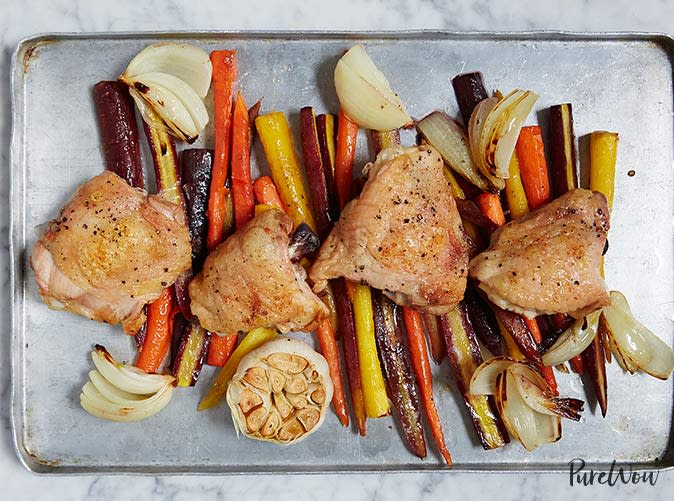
x: 330, y: 135
x: 514, y: 191
x: 603, y: 153
x: 463, y: 364
x: 253, y: 340
x: 285, y: 169
x: 374, y: 389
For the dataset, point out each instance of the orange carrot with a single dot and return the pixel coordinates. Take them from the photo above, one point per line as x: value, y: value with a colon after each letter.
x: 224, y: 74
x: 326, y: 338
x: 422, y: 369
x: 242, y: 183
x: 158, y: 336
x: 490, y: 205
x: 533, y: 168
x: 220, y: 349
x: 577, y: 364
x: 547, y: 373
x: 266, y: 192
x: 347, y: 133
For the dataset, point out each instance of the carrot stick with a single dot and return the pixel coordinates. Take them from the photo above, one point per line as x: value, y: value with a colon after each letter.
x: 422, y: 370
x: 347, y: 132
x: 577, y: 364
x: 266, y: 193
x: 547, y: 373
x: 242, y: 183
x: 326, y: 338
x: 490, y: 205
x: 220, y: 349
x: 158, y: 337
x: 347, y: 332
x: 533, y: 168
x: 224, y: 74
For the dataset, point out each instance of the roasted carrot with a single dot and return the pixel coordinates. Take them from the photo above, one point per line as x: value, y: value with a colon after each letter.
x: 490, y: 204
x: 158, y: 336
x: 374, y: 388
x: 577, y: 364
x: 533, y: 167
x: 397, y: 369
x: 347, y: 331
x: 603, y: 154
x: 547, y: 373
x: 224, y: 74
x: 266, y: 193
x: 347, y: 132
x: 220, y: 349
x: 326, y: 338
x: 514, y: 191
x: 285, y: 170
x: 422, y: 370
x: 435, y: 339
x: 253, y: 340
x: 242, y: 184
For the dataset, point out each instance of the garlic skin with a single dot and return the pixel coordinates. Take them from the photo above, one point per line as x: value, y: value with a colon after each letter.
x: 280, y: 392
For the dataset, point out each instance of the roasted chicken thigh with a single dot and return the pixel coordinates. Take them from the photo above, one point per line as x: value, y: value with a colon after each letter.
x: 403, y: 235
x: 111, y: 250
x: 250, y: 281
x: 549, y: 260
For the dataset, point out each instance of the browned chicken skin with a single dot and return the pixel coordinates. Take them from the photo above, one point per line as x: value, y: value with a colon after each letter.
x: 549, y: 260
x: 249, y: 281
x: 111, y: 250
x: 403, y: 235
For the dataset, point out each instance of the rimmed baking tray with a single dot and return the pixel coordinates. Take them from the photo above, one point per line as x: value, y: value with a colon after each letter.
x: 620, y: 82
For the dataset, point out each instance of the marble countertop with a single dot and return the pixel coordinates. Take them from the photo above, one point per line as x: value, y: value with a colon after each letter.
x: 22, y: 18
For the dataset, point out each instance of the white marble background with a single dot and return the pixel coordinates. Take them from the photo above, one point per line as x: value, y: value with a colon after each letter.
x: 20, y: 18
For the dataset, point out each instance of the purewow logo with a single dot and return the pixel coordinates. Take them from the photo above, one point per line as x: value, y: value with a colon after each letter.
x: 580, y: 475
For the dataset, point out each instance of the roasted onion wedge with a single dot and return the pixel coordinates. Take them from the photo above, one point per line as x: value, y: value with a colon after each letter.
x: 123, y: 393
x: 573, y: 340
x: 634, y: 345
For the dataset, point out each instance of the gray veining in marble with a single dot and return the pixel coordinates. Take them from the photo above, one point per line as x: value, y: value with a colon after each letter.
x: 23, y: 18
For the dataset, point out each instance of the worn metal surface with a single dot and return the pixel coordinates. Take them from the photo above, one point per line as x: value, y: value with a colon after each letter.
x: 616, y: 82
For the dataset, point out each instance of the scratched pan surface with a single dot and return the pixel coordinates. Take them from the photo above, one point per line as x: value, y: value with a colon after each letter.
x: 616, y: 82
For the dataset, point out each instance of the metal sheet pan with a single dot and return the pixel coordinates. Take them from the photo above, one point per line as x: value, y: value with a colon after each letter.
x: 619, y: 82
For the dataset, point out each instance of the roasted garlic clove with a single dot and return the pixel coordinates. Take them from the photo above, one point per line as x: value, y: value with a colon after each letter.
x: 280, y: 392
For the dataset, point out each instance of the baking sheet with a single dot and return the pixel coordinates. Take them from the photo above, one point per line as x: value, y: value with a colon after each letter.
x: 620, y: 82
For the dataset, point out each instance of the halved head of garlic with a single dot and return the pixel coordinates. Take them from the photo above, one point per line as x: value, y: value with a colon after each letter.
x: 280, y: 392
x: 365, y: 94
x: 171, y: 80
x: 124, y: 393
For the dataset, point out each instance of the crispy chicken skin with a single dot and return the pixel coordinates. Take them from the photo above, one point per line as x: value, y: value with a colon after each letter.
x: 249, y: 281
x: 403, y: 235
x: 549, y: 260
x: 111, y: 250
